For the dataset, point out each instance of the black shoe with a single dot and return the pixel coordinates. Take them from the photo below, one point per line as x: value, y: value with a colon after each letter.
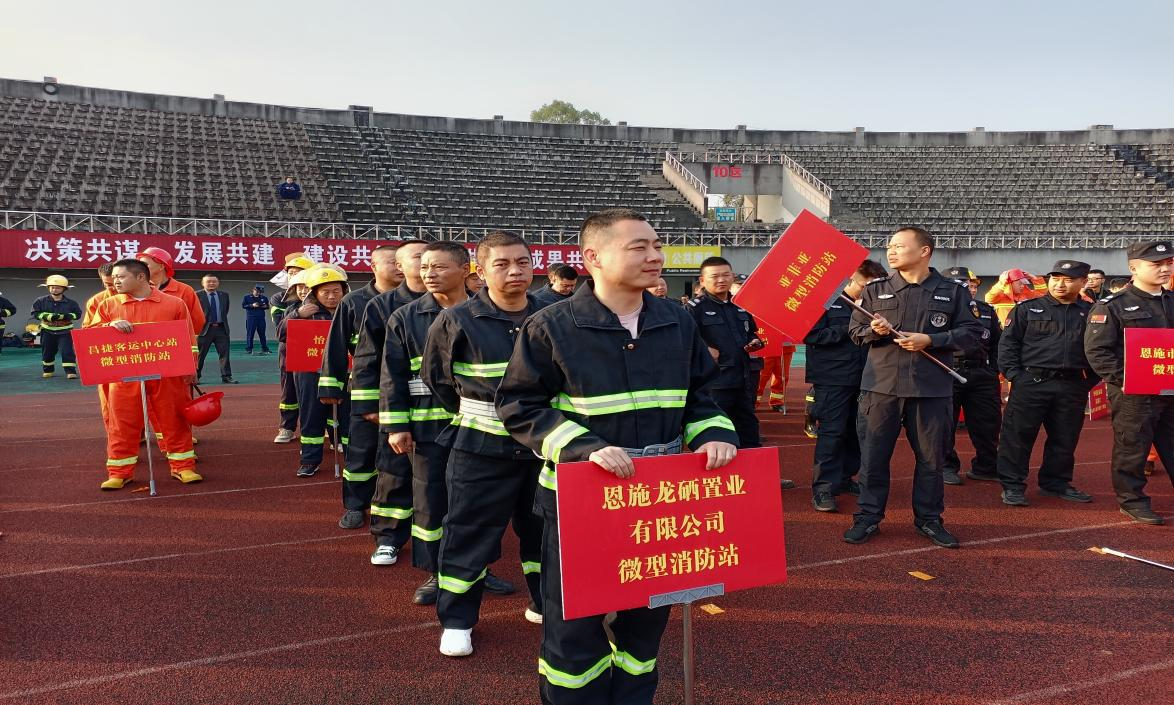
x: 1069, y: 493
x: 307, y: 471
x: 938, y: 534
x: 823, y: 502
x: 787, y: 484
x: 779, y: 408
x: 426, y: 593
x: 851, y: 487
x: 982, y: 476
x: 351, y: 519
x: 266, y: 352
x: 951, y: 477
x: 860, y: 532
x: 1015, y: 498
x: 1143, y: 515
x: 228, y: 380
x: 498, y: 586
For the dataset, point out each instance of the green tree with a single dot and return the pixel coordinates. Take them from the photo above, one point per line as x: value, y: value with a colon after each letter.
x: 561, y: 111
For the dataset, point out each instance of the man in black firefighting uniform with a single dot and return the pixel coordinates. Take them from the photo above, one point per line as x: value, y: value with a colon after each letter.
x: 57, y: 314
x: 978, y: 398
x: 1042, y: 353
x: 391, y: 502
x: 902, y: 388
x: 287, y: 405
x: 413, y: 418
x: 834, y: 366
x: 1138, y: 419
x: 611, y: 339
x: 358, y: 478
x: 491, y: 477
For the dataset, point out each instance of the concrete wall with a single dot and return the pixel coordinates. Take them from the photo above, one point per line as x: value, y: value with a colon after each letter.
x: 209, y: 106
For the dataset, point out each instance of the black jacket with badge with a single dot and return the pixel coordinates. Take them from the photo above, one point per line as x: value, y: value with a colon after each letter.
x: 341, y: 342
x: 938, y: 307
x: 465, y: 358
x: 728, y: 328
x: 368, y: 359
x: 1044, y: 334
x: 405, y: 402
x: 832, y: 357
x: 1104, y: 337
x: 986, y: 352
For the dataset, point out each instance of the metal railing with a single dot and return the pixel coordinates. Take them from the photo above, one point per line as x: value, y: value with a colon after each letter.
x: 756, y: 158
x: 690, y: 178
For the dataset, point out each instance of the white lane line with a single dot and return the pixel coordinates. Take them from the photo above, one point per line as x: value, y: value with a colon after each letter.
x: 95, y: 503
x: 1065, y: 688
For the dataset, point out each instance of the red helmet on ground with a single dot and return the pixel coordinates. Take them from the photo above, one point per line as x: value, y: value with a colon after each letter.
x: 204, y: 409
x: 161, y: 256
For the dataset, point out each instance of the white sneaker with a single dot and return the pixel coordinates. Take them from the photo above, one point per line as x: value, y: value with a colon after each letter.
x: 285, y: 436
x: 456, y: 642
x: 532, y: 616
x: 385, y: 555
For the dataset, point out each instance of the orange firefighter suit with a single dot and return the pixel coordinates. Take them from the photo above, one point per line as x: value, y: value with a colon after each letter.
x: 776, y: 371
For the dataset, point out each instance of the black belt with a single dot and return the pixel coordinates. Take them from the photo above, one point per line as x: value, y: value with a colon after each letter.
x: 671, y: 448
x: 218, y: 325
x: 1044, y: 373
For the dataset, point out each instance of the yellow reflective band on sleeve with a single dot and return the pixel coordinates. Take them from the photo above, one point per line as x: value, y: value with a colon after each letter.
x: 287, y: 407
x: 120, y: 462
x: 330, y: 382
x: 572, y: 680
x: 379, y: 510
x: 331, y: 423
x: 436, y: 414
x: 344, y: 441
x: 388, y: 418
x: 630, y: 663
x: 530, y: 567
x: 491, y: 426
x: 186, y: 455
x: 456, y: 584
x: 46, y: 326
x: 619, y: 403
x: 482, y: 369
x: 364, y: 395
x: 546, y: 478
x: 358, y: 476
x: 692, y: 429
x: 423, y: 534
x: 355, y: 339
x: 313, y: 440
x: 416, y: 363
x: 556, y: 440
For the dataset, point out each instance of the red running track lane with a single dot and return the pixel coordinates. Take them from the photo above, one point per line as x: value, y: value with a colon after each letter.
x: 243, y: 589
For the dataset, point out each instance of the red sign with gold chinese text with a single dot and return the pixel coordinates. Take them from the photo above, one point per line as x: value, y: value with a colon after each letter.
x: 1149, y: 361
x: 304, y: 344
x: 791, y: 286
x: 673, y: 526
x: 773, y: 342
x: 104, y: 354
x: 1098, y: 402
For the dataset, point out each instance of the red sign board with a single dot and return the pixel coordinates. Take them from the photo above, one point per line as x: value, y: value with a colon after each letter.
x: 67, y: 250
x: 774, y: 341
x: 304, y: 343
x: 673, y: 526
x: 1149, y: 361
x: 1098, y: 402
x: 104, y: 354
x: 809, y: 264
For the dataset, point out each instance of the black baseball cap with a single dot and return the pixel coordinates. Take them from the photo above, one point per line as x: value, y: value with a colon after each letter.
x: 960, y: 274
x: 1070, y: 268
x: 258, y: 287
x: 1152, y: 251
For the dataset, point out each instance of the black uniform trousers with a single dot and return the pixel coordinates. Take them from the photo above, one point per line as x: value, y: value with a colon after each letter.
x: 51, y: 344
x: 1139, y: 421
x: 837, y: 447
x: 287, y: 406
x: 255, y: 326
x: 578, y: 665
x: 484, y: 494
x: 425, y: 476
x: 217, y: 336
x: 926, y: 421
x: 738, y: 404
x: 1057, y: 405
x: 979, y: 399
x: 391, y: 502
x: 316, y: 419
x: 358, y: 477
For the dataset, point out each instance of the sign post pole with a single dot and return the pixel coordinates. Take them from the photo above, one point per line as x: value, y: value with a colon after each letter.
x: 336, y: 439
x: 686, y: 598
x: 147, y: 431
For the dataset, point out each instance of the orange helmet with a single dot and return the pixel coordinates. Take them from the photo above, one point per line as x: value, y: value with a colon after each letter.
x: 161, y: 256
x: 204, y: 409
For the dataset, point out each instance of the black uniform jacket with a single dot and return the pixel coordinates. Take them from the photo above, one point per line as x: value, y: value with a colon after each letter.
x: 56, y: 316
x: 1104, y: 338
x: 985, y: 353
x: 467, y: 353
x: 832, y: 357
x: 369, y: 348
x: 1045, y: 334
x: 728, y: 328
x: 578, y: 382
x: 340, y: 344
x: 938, y: 307
x: 405, y: 402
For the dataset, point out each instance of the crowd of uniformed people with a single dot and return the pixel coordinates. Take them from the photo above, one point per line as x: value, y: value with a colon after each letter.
x: 454, y: 391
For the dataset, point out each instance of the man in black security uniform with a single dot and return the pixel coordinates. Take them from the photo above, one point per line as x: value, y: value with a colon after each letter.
x: 1138, y: 419
x: 979, y: 397
x: 902, y: 388
x: 358, y: 478
x: 491, y: 478
x: 571, y: 363
x: 1041, y: 352
x: 834, y: 366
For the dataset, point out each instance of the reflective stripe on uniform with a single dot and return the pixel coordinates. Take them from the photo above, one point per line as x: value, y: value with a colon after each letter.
x: 416, y: 363
x: 358, y: 476
x: 330, y: 382
x: 573, y: 680
x: 364, y: 395
x: 185, y: 455
x: 417, y: 388
x: 456, y: 584
x: 388, y: 418
x: 434, y: 414
x: 355, y: 339
x: 479, y: 369
x: 546, y: 478
x: 313, y: 440
x: 558, y: 439
x: 477, y: 423
x: 624, y: 401
x: 423, y: 534
x: 287, y: 407
x: 630, y: 663
x: 379, y: 510
x: 692, y: 429
x: 120, y: 462
x: 529, y: 567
